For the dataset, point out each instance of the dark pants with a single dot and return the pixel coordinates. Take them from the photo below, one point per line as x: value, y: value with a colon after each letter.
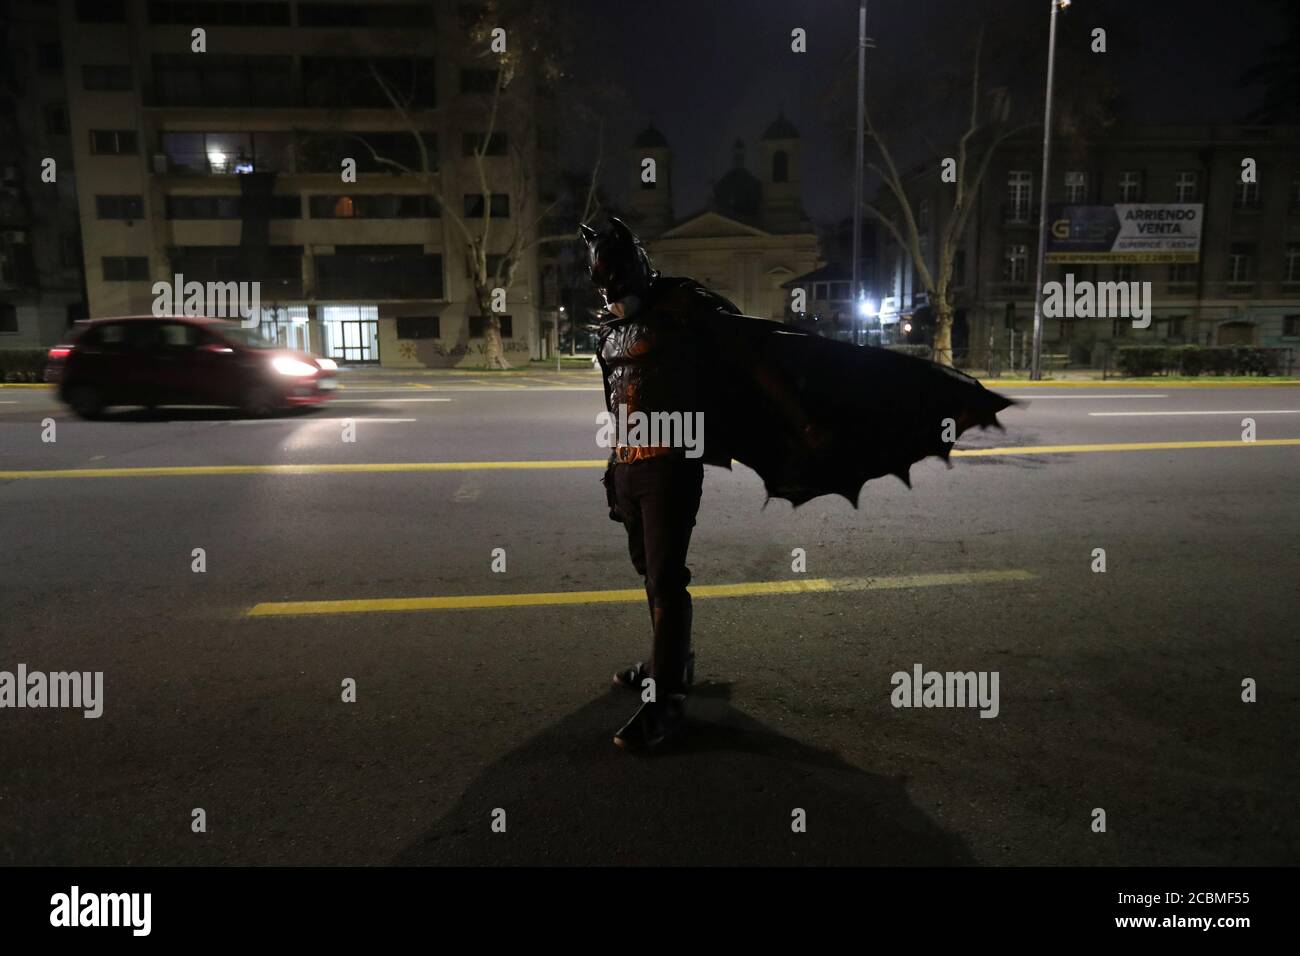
x: 658, y: 500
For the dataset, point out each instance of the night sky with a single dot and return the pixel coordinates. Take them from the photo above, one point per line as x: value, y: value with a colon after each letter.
x: 709, y: 71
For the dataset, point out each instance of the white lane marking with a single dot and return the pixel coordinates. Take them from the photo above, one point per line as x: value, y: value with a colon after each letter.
x: 1086, y: 398
x: 1231, y: 411
x: 8, y: 403
x: 389, y: 401
x: 314, y: 421
x: 517, y: 389
x: 469, y: 490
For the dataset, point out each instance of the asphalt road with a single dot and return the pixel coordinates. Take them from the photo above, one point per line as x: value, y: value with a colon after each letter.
x: 1118, y: 690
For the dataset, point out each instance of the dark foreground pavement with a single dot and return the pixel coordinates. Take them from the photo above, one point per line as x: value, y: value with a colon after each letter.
x: 1118, y: 691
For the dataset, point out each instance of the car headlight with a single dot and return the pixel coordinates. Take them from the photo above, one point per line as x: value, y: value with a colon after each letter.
x: 328, y: 364
x: 291, y: 366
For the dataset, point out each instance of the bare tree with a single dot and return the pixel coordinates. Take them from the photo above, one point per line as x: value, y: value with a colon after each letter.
x: 987, y: 127
x: 530, y: 64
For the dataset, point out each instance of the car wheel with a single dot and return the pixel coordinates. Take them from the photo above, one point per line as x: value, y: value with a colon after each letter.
x: 85, y: 402
x: 260, y: 402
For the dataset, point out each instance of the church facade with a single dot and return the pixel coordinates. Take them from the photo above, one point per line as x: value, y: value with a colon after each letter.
x: 752, y: 237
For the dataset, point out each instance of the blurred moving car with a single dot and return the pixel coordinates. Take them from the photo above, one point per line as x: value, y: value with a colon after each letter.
x: 179, y: 360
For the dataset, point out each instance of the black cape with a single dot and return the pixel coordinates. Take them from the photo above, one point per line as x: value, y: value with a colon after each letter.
x: 878, y: 412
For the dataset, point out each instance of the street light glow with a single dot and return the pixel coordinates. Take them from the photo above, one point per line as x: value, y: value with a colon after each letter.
x: 866, y: 308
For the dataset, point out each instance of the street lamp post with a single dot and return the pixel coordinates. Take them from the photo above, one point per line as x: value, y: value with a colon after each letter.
x: 1035, y: 367
x: 860, y: 154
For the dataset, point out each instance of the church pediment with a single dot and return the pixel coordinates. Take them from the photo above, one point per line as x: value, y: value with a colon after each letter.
x: 711, y: 225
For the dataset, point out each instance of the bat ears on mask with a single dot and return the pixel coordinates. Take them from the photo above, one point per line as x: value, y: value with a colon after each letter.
x: 620, y: 228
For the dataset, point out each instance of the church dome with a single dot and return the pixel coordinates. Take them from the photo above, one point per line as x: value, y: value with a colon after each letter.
x: 651, y: 138
x: 781, y: 128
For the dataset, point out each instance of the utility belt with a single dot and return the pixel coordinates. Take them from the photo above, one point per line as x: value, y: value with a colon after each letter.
x: 629, y: 454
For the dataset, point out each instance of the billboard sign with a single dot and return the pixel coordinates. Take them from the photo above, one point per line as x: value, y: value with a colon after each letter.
x: 1125, y: 233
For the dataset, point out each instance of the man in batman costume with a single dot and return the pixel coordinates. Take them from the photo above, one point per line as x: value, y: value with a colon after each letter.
x: 812, y: 416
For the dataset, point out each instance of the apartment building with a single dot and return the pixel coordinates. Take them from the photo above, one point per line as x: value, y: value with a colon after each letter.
x: 221, y: 156
x: 40, y: 246
x: 1239, y: 285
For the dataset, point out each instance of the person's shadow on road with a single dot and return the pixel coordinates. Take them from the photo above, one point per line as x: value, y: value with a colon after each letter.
x: 727, y: 795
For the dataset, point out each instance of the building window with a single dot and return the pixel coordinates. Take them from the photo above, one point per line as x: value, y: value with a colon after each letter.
x: 8, y: 318
x: 227, y: 153
x: 379, y: 272
x: 1170, y: 327
x: 113, y: 142
x: 474, y: 206
x: 1015, y: 262
x: 101, y: 11
x: 477, y: 326
x: 1241, y: 257
x: 228, y: 13
x: 339, y: 81
x: 1291, y: 326
x: 49, y: 57
x: 1130, y: 185
x: 114, y: 77
x: 419, y: 327
x: 497, y: 145
x: 1119, y: 328
x: 478, y: 80
x: 373, y: 15
x: 324, y: 152
x: 1246, y: 196
x: 283, y: 206
x: 1076, y: 186
x: 1182, y: 272
x: 1187, y: 186
x: 497, y: 265
x: 126, y: 268
x: 1020, y: 183
x: 214, y: 79
x: 959, y: 268
x: 387, y: 206
x: 1125, y: 272
x: 1293, y: 262
x: 780, y: 166
x: 923, y: 215
x: 56, y: 120
x: 119, y: 207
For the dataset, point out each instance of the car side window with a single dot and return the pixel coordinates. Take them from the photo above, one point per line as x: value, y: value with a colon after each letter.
x: 178, y: 336
x: 104, y: 338
x: 141, y: 337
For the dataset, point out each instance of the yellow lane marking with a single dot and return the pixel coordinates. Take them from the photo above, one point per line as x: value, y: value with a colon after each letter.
x: 1004, y: 383
x: 185, y: 471
x: 462, y: 602
x: 180, y: 471
x: 1118, y: 446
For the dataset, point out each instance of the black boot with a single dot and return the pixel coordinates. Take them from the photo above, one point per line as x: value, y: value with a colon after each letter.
x: 630, y: 678
x: 655, y: 725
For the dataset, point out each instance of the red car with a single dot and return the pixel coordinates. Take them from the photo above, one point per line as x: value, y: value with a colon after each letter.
x: 176, y: 360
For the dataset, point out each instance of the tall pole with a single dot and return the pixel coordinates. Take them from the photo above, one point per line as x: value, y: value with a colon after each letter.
x: 1035, y: 367
x: 859, y: 156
